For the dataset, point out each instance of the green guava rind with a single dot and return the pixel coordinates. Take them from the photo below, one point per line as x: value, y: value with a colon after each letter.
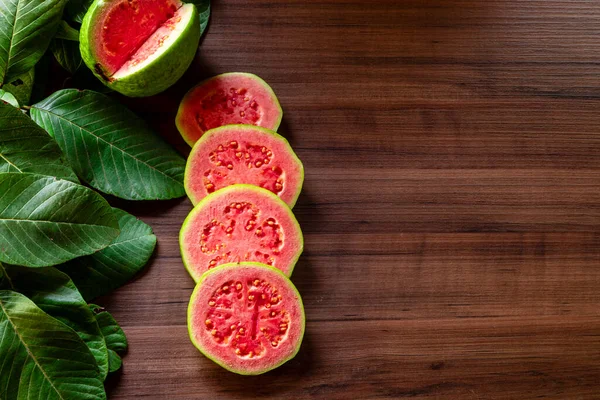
x: 156, y: 77
x: 217, y: 361
x: 181, y: 111
x: 272, y: 134
x: 208, y: 198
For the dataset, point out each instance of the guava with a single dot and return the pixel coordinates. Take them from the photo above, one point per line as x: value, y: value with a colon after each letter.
x: 246, y: 317
x: 243, y: 154
x: 240, y: 223
x: 139, y: 47
x: 232, y: 98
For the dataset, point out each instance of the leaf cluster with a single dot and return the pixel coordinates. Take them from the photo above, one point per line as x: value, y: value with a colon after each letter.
x: 61, y: 243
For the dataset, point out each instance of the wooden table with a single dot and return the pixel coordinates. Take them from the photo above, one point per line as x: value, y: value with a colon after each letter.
x: 451, y: 207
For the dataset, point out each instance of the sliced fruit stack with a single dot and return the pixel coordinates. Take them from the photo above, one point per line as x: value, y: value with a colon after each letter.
x: 241, y: 241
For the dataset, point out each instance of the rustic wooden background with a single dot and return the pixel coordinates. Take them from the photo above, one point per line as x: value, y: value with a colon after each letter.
x: 451, y: 207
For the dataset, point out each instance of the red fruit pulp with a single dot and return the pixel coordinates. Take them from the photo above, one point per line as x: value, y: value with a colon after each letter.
x: 126, y: 26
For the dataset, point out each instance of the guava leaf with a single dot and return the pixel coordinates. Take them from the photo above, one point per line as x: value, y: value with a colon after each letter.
x: 203, y: 7
x: 114, y: 361
x: 204, y: 12
x: 109, y: 147
x: 108, y: 269
x: 115, y: 338
x: 66, y: 32
x: 66, y: 52
x: 55, y: 294
x: 46, y: 221
x: 25, y: 32
x: 9, y: 98
x: 25, y: 147
x: 65, y: 47
x: 76, y: 9
x: 21, y: 87
x: 42, y: 358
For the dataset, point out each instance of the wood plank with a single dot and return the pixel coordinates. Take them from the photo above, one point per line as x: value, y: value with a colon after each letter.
x: 499, y: 358
x: 450, y: 209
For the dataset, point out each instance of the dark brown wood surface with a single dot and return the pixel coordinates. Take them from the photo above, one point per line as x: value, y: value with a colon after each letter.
x: 451, y: 207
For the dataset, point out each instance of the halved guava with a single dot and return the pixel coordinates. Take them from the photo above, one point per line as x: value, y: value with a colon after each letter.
x: 139, y: 47
x: 246, y: 317
x: 249, y: 154
x: 240, y: 223
x: 232, y: 98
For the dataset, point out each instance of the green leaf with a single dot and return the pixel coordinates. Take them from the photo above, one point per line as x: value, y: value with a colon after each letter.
x: 109, y: 147
x: 25, y: 32
x: 46, y: 221
x: 65, y: 47
x: 66, y: 32
x: 115, y: 338
x: 21, y: 87
x: 9, y: 98
x: 66, y: 52
x: 25, y: 147
x: 114, y: 361
x: 76, y: 9
x: 204, y: 12
x: 55, y: 294
x: 41, y: 357
x: 203, y: 7
x: 106, y: 270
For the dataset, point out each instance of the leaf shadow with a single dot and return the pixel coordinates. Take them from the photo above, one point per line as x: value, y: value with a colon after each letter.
x: 145, y: 208
x: 112, y: 381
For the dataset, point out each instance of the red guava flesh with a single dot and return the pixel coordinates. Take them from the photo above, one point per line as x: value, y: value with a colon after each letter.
x: 125, y: 26
x: 246, y: 317
x: 232, y: 98
x: 243, y: 154
x: 240, y: 223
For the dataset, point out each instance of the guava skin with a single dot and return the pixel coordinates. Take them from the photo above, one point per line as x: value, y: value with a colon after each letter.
x: 207, y: 353
x: 156, y: 77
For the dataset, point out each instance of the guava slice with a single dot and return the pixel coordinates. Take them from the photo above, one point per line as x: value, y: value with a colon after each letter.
x: 243, y: 154
x: 139, y: 47
x: 240, y: 223
x: 231, y: 98
x: 246, y: 317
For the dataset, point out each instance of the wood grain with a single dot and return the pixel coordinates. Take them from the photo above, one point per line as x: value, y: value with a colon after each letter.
x: 450, y: 209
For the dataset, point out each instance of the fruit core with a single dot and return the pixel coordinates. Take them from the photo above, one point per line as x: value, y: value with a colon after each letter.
x: 129, y: 25
x: 242, y: 158
x: 248, y: 316
x: 242, y: 234
x: 228, y: 106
